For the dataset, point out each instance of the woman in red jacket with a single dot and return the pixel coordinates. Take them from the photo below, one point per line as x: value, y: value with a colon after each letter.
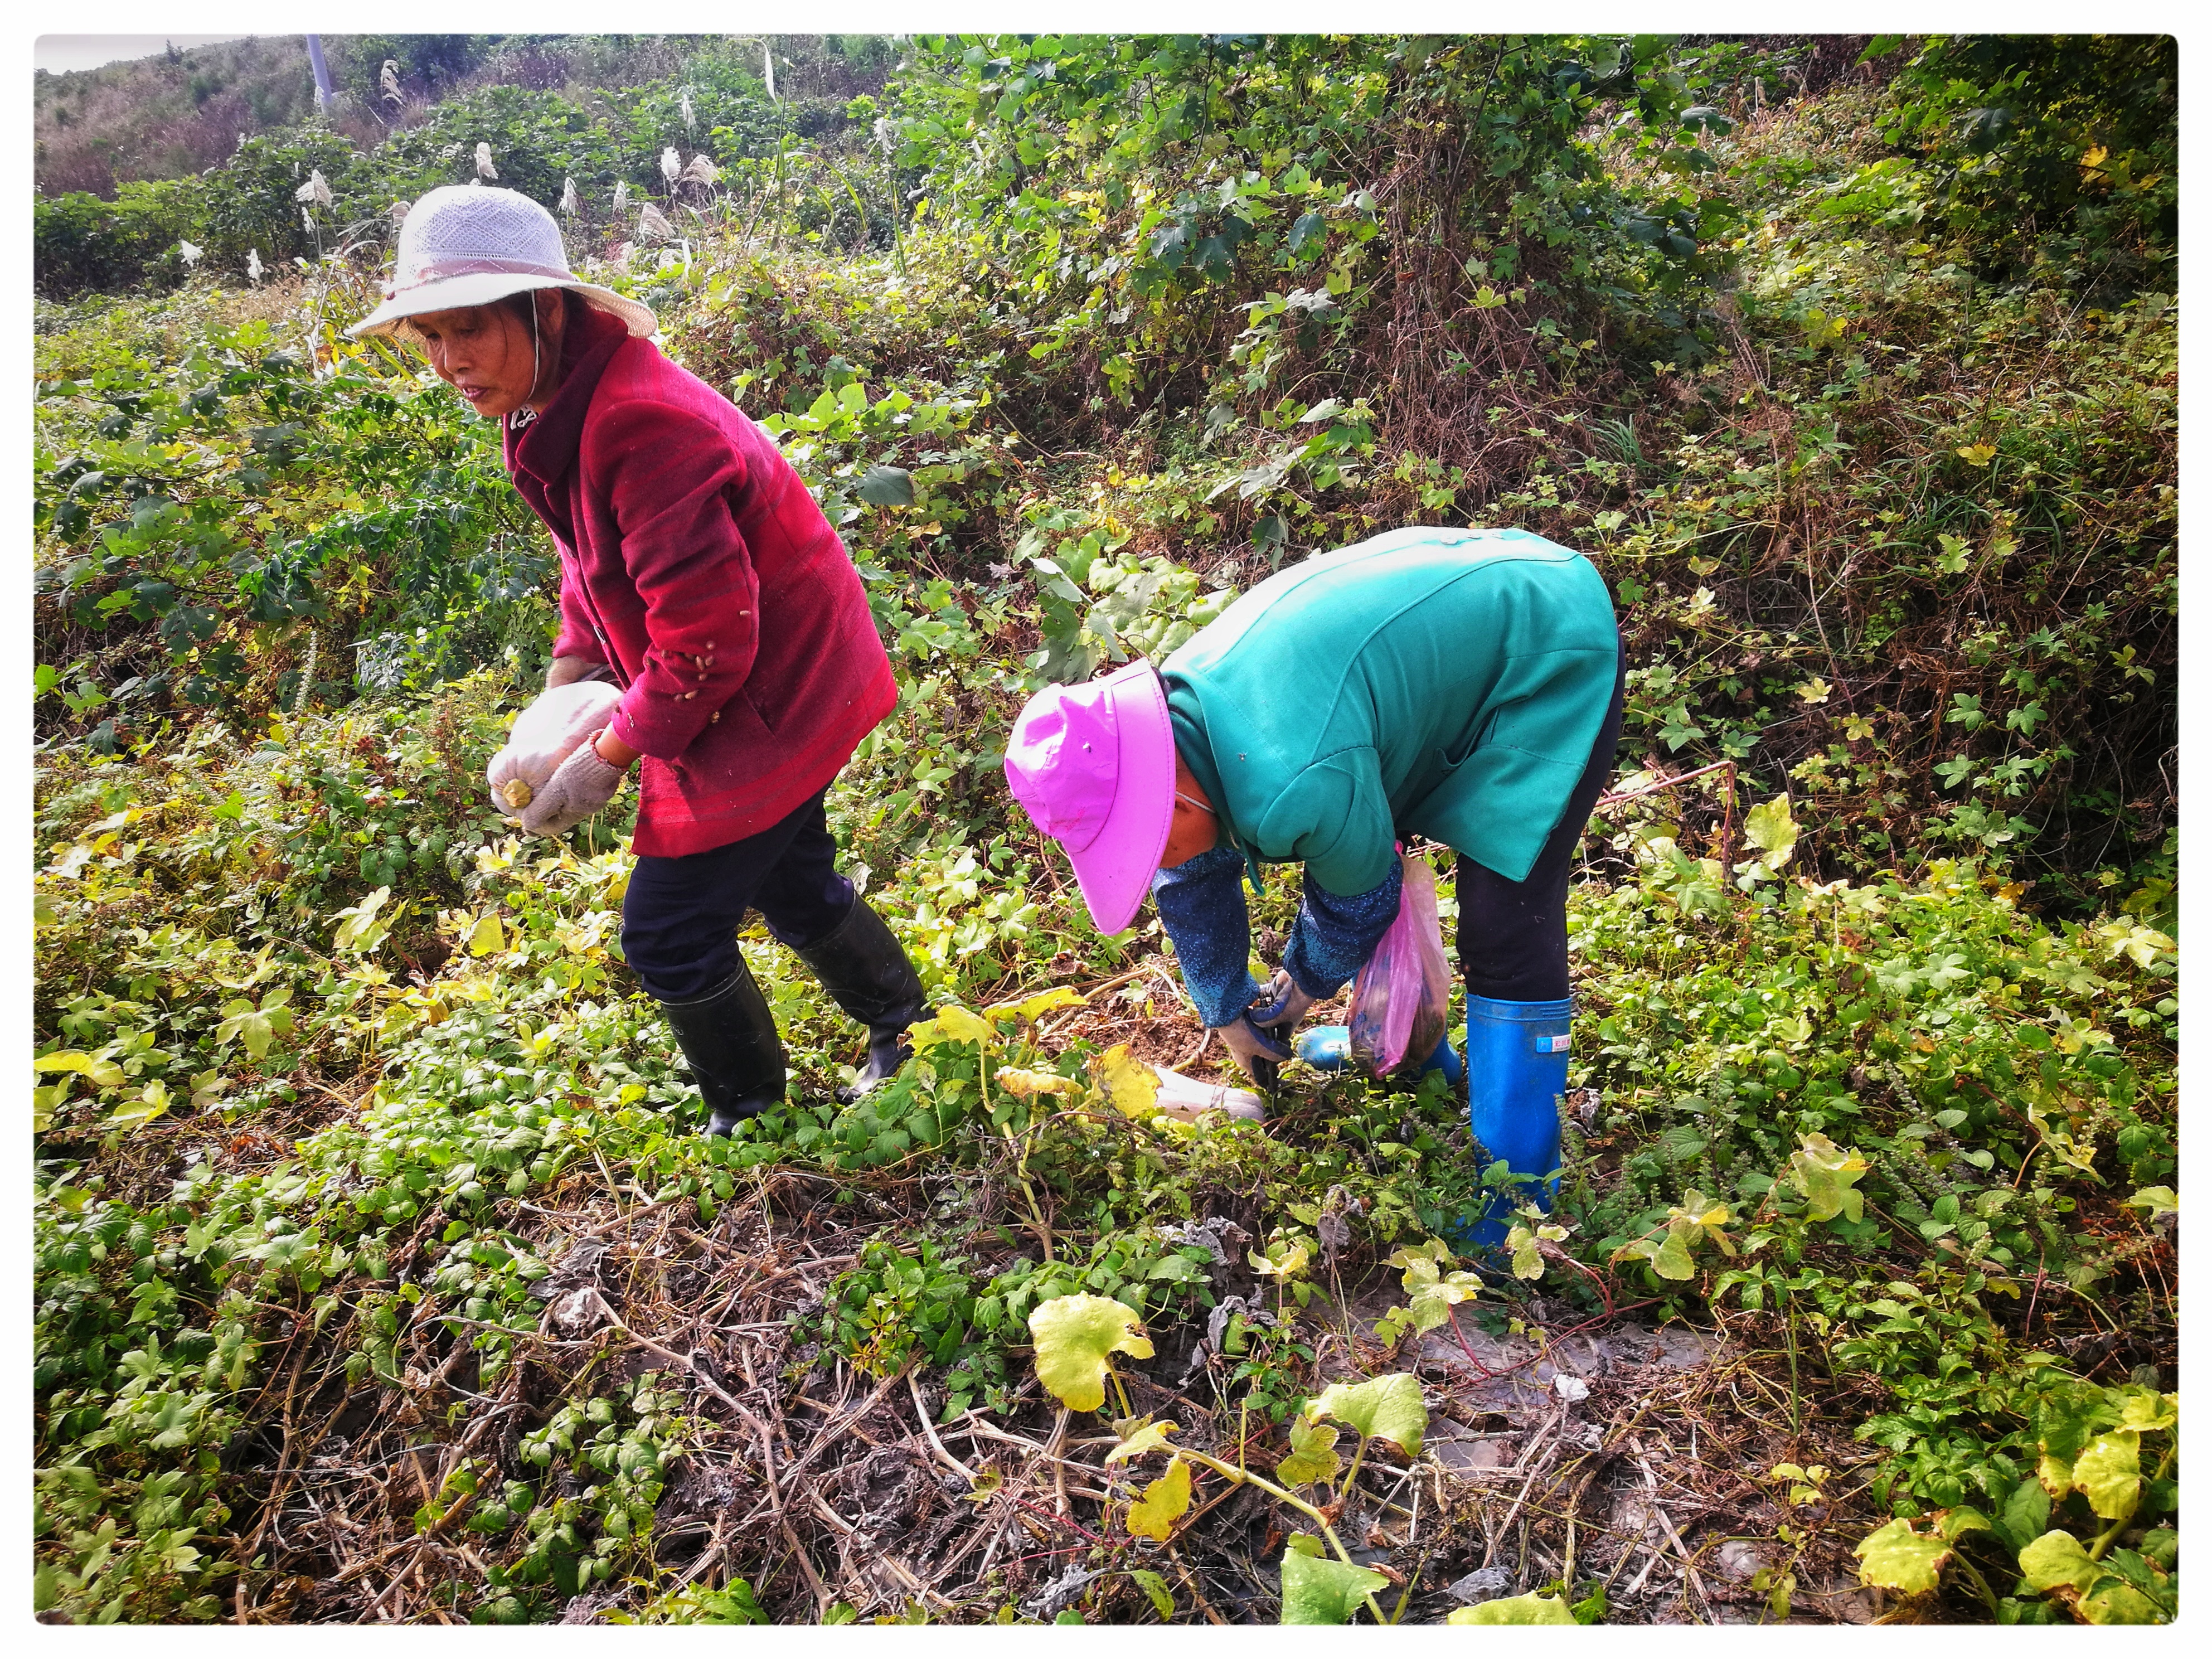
x: 698, y: 573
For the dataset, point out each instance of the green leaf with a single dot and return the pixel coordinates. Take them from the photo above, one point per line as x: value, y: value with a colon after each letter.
x: 1897, y: 1557
x: 1318, y: 1590
x: 2026, y: 1513
x: 1156, y: 1588
x: 1529, y: 1609
x: 1958, y: 1522
x: 1164, y: 1502
x: 1312, y: 1458
x: 1073, y: 1335
x: 887, y: 486
x: 1384, y: 1407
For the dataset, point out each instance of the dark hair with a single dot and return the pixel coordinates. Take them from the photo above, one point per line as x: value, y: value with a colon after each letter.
x: 518, y: 306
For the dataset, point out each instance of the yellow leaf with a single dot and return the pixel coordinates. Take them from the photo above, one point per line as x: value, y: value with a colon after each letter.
x: 485, y: 939
x: 953, y: 1024
x: 103, y: 1073
x: 1133, y: 1085
x: 1977, y: 454
x: 1154, y: 1515
x: 1073, y: 1336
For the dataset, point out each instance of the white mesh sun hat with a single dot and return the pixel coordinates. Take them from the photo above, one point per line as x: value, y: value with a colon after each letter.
x: 468, y: 244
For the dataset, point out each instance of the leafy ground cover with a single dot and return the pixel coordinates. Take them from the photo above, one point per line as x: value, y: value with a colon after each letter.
x: 382, y: 1274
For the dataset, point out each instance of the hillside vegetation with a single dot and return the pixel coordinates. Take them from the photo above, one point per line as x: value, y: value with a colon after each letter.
x: 381, y: 1271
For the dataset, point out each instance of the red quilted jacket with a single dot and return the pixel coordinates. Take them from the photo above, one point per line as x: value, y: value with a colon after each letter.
x: 695, y: 563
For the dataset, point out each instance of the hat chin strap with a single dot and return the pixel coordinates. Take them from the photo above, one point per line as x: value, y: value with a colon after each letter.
x: 537, y: 373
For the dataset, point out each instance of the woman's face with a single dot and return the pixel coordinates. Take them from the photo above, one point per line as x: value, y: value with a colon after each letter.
x: 483, y: 354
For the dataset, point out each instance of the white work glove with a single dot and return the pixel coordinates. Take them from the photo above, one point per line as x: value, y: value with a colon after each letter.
x: 581, y: 785
x: 545, y: 734
x: 1281, y: 1004
x: 1259, y: 1054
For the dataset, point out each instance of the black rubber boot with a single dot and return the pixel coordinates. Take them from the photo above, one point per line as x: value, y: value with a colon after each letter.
x: 862, y: 964
x: 728, y: 1037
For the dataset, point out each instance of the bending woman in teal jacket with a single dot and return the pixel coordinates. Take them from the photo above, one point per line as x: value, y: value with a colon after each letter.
x: 1463, y: 685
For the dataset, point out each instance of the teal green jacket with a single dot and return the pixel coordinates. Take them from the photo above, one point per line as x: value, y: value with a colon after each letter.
x: 1438, y: 682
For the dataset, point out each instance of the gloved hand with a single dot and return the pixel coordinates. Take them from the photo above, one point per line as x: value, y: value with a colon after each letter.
x: 1259, y: 1054
x: 1282, y: 1005
x: 581, y: 785
x: 546, y: 734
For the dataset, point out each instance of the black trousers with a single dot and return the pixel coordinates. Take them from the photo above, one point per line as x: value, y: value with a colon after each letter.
x: 681, y: 915
x: 1513, y: 934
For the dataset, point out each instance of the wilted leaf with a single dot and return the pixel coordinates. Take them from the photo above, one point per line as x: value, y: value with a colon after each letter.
x: 1313, y: 1458
x: 1770, y: 828
x: 1029, y: 1010
x: 1156, y: 1588
x: 1386, y: 1408
x: 1145, y: 1436
x: 1292, y: 1263
x: 1133, y: 1086
x: 356, y: 921
x: 1897, y: 1557
x: 2115, y: 1601
x: 105, y: 1072
x: 1530, y: 1609
x: 1827, y: 1174
x: 485, y: 939
x: 1318, y: 1590
x: 1016, y: 1081
x: 2144, y: 1409
x: 1073, y: 1335
x: 1154, y: 1515
x: 1527, y: 1262
x: 2057, y: 1559
x: 953, y: 1024
x: 2154, y: 1202
x: 2110, y: 1473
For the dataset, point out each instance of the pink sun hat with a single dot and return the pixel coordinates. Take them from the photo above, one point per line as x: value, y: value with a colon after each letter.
x: 1094, y: 765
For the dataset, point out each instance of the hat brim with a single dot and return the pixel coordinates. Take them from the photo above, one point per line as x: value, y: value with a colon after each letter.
x: 483, y: 288
x: 1115, y: 871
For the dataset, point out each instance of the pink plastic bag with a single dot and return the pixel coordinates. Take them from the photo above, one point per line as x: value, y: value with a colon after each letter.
x: 1400, y: 1001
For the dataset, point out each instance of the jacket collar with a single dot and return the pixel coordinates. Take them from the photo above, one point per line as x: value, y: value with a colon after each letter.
x: 546, y: 448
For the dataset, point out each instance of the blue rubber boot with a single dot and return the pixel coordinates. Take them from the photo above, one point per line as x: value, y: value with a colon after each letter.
x: 1517, y: 1060
x: 1328, y: 1049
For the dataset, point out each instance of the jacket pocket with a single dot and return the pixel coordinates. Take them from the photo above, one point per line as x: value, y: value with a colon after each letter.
x: 756, y: 711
